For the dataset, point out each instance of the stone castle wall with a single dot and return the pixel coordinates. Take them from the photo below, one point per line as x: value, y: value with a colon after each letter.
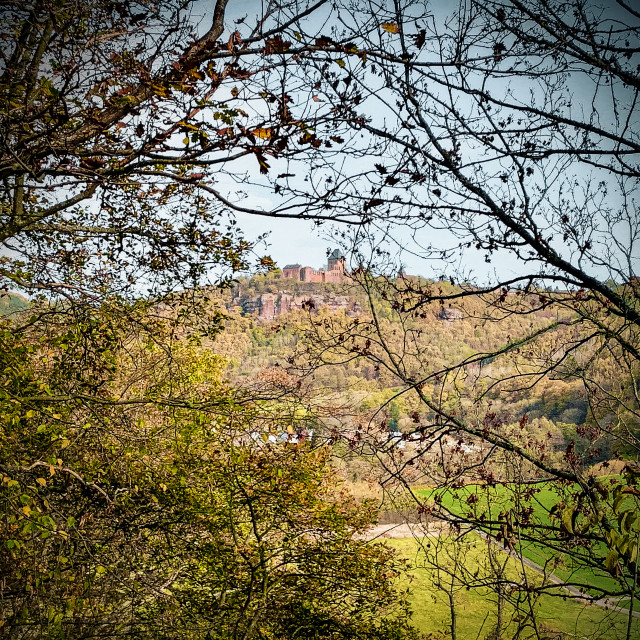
x: 333, y: 274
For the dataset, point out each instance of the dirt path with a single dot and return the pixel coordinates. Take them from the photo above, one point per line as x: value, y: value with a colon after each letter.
x: 402, y: 530
x: 405, y: 530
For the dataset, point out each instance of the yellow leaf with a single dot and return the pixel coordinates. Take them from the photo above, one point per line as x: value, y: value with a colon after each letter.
x: 160, y: 90
x: 26, y: 510
x: 390, y: 27
x: 52, y: 471
x: 260, y: 132
x: 340, y: 62
x: 41, y: 481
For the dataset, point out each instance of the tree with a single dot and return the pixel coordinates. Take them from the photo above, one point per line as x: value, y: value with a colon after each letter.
x: 432, y: 107
x: 123, y: 126
x: 503, y: 128
x: 135, y: 500
x: 161, y: 509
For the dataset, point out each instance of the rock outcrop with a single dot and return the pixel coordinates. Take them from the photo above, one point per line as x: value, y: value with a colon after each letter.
x: 268, y: 306
x: 450, y: 314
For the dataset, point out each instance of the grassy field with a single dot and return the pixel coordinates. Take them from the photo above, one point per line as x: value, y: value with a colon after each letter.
x: 492, y: 501
x: 557, y: 617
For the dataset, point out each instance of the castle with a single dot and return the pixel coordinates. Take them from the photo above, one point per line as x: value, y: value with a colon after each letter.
x: 335, y: 272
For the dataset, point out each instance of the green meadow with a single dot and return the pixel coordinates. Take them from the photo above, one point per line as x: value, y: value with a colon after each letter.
x: 495, y: 500
x: 558, y: 616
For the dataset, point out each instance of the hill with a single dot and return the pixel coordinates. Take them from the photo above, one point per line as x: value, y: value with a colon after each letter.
x: 277, y: 323
x: 12, y: 303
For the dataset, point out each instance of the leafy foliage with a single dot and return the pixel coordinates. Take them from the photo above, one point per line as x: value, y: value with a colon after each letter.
x: 137, y: 501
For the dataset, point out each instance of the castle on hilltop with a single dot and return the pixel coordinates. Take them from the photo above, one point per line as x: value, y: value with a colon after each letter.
x: 334, y: 273
x: 276, y: 300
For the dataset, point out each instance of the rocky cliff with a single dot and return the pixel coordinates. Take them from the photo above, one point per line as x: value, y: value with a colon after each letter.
x: 268, y: 306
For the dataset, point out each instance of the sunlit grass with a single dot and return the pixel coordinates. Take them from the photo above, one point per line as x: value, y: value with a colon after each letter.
x: 494, y: 499
x: 557, y: 616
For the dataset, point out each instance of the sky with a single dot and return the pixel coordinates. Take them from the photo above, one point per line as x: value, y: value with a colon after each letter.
x: 290, y: 241
x: 297, y: 241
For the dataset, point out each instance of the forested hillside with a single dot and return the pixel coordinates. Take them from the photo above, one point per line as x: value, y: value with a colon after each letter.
x: 11, y: 303
x: 444, y: 335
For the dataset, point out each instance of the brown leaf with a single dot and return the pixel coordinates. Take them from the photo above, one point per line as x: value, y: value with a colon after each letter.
x: 324, y: 42
x: 276, y: 45
x: 92, y: 163
x: 264, y: 165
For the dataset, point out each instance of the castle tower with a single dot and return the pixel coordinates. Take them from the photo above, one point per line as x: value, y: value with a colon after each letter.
x: 336, y: 260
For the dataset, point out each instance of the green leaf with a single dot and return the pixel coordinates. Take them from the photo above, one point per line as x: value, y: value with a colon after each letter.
x: 567, y: 518
x: 611, y: 561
